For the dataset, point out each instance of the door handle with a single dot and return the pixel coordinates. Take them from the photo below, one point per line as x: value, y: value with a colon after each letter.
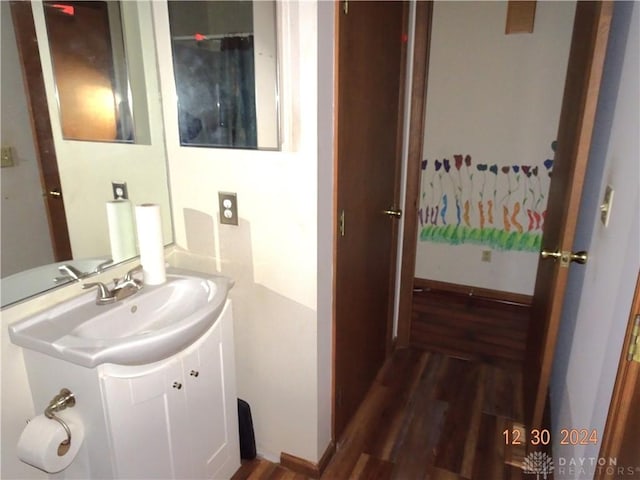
x: 392, y: 212
x: 565, y: 258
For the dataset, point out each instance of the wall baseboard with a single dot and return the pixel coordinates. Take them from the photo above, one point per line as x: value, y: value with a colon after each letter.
x: 484, y: 293
x: 471, y: 323
x: 305, y: 467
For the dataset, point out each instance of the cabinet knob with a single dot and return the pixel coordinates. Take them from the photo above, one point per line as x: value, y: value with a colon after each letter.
x: 177, y: 385
x: 194, y: 373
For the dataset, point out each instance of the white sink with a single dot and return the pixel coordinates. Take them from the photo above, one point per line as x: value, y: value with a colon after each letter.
x: 156, y: 322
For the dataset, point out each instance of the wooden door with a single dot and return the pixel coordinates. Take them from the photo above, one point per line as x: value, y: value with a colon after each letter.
x: 622, y: 431
x: 370, y: 82
x: 582, y: 86
x: 40, y: 122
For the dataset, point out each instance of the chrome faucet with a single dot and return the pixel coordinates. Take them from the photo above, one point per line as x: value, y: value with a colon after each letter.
x: 122, y: 288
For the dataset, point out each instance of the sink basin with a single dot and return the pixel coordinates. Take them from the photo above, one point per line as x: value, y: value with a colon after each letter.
x: 155, y: 323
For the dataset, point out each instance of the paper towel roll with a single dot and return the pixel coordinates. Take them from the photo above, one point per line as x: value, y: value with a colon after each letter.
x: 39, y: 442
x: 149, y: 227
x: 121, y: 230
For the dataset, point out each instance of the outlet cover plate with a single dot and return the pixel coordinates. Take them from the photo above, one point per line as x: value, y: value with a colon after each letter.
x: 228, y: 203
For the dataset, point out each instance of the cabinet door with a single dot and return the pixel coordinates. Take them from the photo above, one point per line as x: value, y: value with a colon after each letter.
x: 212, y: 402
x: 147, y: 421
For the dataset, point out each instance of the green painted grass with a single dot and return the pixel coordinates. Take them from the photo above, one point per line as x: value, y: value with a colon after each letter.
x: 491, y: 237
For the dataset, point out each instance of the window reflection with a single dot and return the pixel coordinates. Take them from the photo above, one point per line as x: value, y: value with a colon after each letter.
x: 214, y: 64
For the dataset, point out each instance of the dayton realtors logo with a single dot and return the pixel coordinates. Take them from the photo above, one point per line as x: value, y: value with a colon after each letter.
x: 538, y: 463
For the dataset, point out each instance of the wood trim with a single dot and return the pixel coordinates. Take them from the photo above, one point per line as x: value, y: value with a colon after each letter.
x: 424, y: 14
x: 305, y: 467
x: 22, y: 17
x: 484, y: 293
x: 393, y: 268
x: 334, y: 207
x: 621, y: 399
x: 521, y: 15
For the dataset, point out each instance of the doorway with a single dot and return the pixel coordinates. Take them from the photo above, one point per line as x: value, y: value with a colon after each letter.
x: 454, y: 172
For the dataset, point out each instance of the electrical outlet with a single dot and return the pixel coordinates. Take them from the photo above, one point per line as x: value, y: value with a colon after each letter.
x: 228, y: 203
x: 120, y: 191
x: 486, y: 255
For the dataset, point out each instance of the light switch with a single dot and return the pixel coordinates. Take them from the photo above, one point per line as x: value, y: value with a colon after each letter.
x: 7, y: 157
x: 607, y: 203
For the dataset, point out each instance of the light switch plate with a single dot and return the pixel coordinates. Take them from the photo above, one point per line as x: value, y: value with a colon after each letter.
x: 7, y: 156
x: 607, y: 203
x: 228, y: 203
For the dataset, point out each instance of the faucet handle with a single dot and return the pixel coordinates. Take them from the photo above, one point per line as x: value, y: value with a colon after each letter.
x: 103, y: 265
x: 129, y: 275
x: 104, y: 294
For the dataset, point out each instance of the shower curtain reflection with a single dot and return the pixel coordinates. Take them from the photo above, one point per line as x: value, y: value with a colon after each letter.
x: 215, y: 82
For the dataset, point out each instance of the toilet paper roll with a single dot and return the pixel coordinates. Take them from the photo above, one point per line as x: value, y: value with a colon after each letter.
x: 39, y: 442
x: 121, y: 230
x: 149, y: 228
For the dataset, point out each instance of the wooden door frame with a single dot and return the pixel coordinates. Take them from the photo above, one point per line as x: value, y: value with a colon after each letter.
x: 389, y: 340
x: 24, y: 26
x: 621, y: 400
x: 421, y: 51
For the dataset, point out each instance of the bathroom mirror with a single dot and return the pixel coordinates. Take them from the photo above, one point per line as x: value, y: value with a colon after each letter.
x: 86, y: 169
x: 90, y: 70
x: 225, y: 67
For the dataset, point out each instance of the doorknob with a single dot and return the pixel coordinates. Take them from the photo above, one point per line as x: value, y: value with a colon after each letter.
x: 580, y: 257
x: 392, y: 212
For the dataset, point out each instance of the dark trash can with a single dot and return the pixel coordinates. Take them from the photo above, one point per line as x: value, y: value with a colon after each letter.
x: 247, y: 437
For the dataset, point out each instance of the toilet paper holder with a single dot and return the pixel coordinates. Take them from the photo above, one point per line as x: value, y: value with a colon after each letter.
x: 65, y: 399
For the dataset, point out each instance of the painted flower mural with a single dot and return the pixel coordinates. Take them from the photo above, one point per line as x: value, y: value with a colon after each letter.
x: 460, y: 205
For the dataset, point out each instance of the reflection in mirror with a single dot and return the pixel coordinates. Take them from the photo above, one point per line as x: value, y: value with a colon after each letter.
x: 224, y: 59
x: 48, y: 176
x: 88, y: 55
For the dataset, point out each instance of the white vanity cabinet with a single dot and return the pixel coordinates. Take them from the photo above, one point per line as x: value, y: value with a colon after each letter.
x: 176, y: 418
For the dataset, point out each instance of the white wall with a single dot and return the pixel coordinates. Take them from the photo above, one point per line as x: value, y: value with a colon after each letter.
x: 272, y: 254
x: 497, y: 98
x: 88, y: 168
x: 25, y: 243
x: 598, y: 300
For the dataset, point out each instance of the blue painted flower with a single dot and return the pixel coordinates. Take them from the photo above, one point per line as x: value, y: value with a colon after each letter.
x: 424, y: 164
x: 438, y: 165
x: 447, y: 165
x: 516, y: 168
x: 494, y: 169
x: 548, y: 163
x: 482, y: 167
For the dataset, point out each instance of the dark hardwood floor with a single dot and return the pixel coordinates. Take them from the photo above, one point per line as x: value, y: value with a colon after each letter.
x: 427, y: 416
x: 438, y: 409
